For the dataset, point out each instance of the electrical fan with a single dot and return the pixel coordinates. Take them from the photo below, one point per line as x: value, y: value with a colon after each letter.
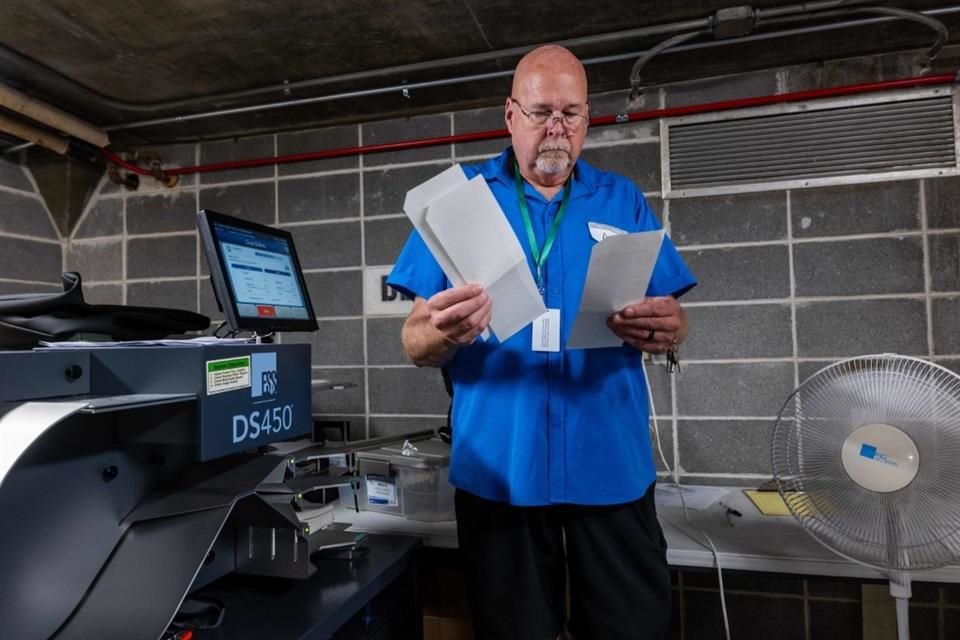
x: 866, y: 455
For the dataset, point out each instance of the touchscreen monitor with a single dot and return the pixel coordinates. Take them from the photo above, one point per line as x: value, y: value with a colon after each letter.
x: 255, y: 274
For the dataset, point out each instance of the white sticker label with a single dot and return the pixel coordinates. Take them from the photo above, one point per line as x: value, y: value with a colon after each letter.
x: 546, y: 332
x: 599, y: 231
x: 228, y: 374
x: 381, y: 492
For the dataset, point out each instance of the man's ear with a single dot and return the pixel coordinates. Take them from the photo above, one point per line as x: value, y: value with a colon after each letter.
x: 508, y: 114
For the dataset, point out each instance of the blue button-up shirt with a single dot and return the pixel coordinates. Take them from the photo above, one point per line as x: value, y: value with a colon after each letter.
x: 537, y: 428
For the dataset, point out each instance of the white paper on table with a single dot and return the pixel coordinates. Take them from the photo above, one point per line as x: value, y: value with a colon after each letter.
x: 478, y: 245
x: 618, y: 275
x: 199, y: 341
x: 694, y: 497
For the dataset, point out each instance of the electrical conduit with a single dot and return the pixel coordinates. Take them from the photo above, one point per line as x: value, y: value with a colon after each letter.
x: 654, y: 114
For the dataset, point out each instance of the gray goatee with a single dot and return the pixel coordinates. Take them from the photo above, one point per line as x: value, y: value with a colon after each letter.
x: 553, y: 155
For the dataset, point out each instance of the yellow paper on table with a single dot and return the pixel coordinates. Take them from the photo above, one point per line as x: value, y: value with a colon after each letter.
x: 769, y: 503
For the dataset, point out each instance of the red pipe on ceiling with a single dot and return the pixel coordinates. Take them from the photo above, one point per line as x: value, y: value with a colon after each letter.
x: 653, y: 114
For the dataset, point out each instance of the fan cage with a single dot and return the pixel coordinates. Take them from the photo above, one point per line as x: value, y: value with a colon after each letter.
x: 915, y: 527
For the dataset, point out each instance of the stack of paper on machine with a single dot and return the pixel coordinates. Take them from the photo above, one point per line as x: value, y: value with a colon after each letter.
x: 467, y: 233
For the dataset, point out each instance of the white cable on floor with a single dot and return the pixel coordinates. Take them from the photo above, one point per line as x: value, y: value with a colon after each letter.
x: 675, y: 477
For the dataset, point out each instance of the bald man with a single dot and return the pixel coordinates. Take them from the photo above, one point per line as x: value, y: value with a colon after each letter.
x: 551, y: 457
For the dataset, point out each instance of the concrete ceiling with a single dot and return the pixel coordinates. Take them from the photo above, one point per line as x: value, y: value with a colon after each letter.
x: 116, y: 62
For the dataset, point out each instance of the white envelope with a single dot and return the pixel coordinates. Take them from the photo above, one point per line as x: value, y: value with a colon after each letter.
x: 415, y: 206
x: 465, y: 229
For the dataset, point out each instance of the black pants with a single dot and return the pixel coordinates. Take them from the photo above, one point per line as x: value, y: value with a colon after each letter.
x: 516, y: 569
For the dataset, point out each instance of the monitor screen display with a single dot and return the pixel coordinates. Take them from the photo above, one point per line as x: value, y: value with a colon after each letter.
x: 256, y: 275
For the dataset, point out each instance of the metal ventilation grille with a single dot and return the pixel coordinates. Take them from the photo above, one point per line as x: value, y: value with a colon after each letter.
x: 857, y: 139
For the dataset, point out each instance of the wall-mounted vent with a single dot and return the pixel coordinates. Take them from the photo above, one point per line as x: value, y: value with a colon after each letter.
x: 910, y: 134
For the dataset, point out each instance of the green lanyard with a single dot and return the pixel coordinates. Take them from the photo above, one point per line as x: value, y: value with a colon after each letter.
x: 540, y: 256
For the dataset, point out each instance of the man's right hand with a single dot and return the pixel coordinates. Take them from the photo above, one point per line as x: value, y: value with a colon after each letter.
x: 460, y: 313
x: 437, y: 327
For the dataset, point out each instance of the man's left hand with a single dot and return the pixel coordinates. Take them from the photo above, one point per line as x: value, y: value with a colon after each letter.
x: 653, y: 325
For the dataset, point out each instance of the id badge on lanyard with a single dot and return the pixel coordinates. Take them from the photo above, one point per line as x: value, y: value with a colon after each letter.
x: 546, y: 332
x: 546, y: 328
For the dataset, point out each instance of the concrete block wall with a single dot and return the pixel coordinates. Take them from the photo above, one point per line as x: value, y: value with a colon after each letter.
x: 31, y: 254
x: 789, y: 280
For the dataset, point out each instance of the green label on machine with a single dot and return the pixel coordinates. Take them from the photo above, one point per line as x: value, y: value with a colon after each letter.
x: 228, y: 374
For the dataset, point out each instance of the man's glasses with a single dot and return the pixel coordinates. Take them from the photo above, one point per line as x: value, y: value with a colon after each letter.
x: 572, y: 121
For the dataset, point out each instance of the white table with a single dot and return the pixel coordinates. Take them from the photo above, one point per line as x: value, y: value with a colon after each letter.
x: 750, y: 542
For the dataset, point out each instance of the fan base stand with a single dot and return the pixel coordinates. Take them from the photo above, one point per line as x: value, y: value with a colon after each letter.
x: 901, y: 592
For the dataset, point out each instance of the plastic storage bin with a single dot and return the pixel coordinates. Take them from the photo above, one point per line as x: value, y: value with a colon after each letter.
x: 408, y: 479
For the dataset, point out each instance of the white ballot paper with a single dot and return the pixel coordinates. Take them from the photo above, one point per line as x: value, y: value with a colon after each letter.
x: 618, y: 274
x: 467, y: 233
